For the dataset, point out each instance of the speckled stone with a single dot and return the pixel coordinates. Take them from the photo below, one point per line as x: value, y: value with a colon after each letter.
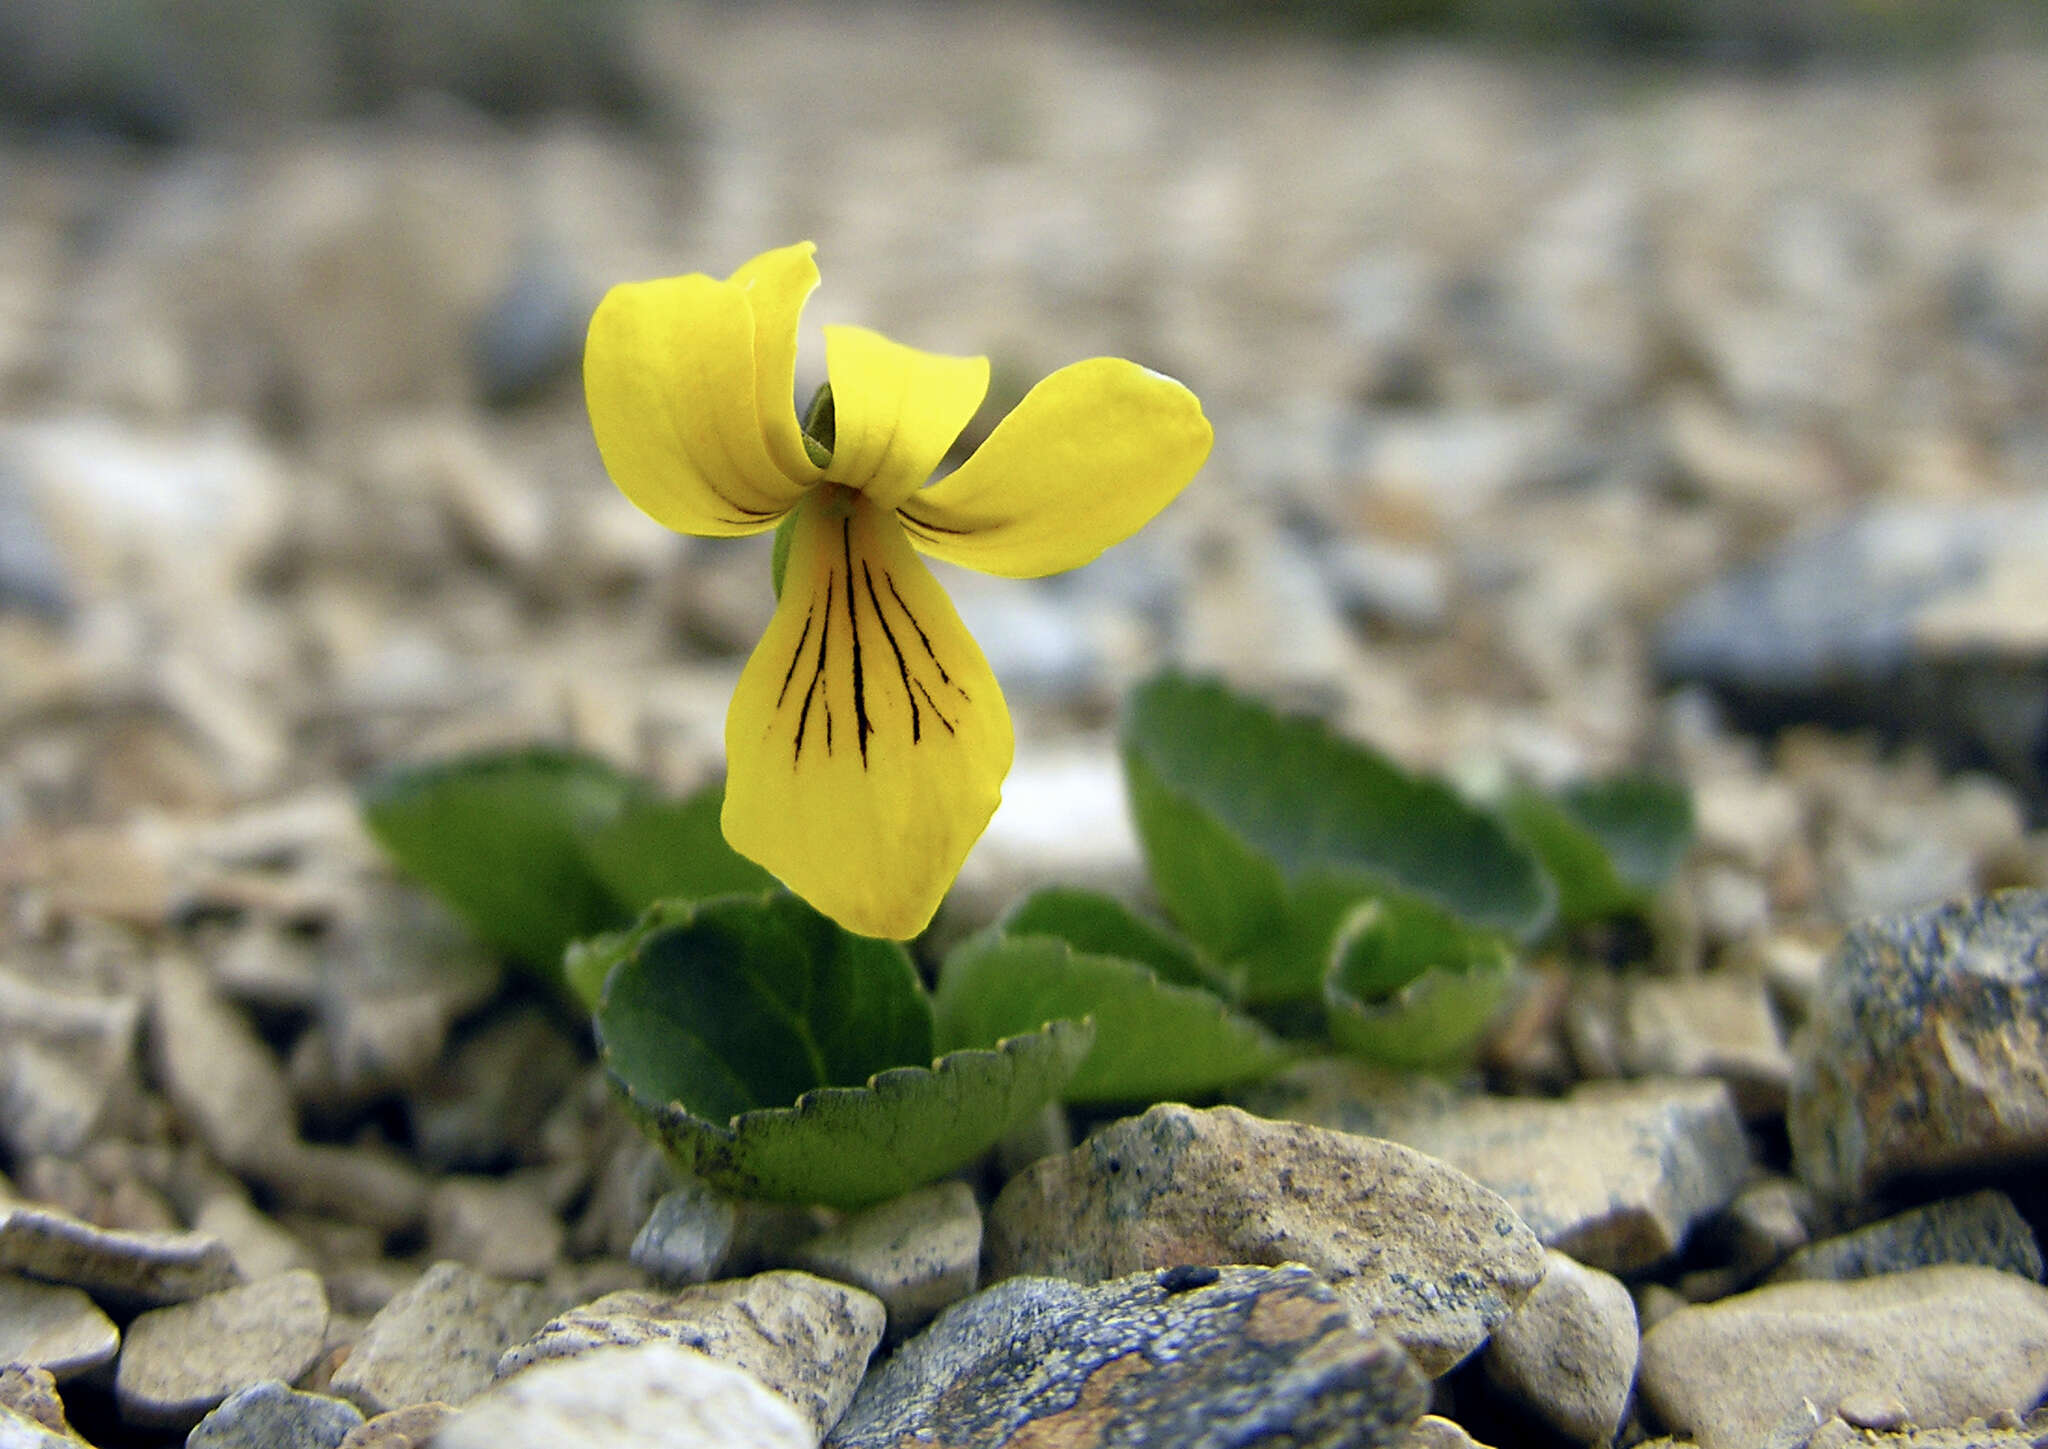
x: 178, y: 1363
x: 1927, y: 1049
x: 917, y: 1253
x: 126, y: 1269
x: 1982, y: 1228
x: 1949, y: 1342
x: 1199, y: 1358
x: 440, y: 1339
x: 48, y: 1325
x: 411, y: 1427
x: 805, y: 1337
x: 272, y: 1415
x: 1569, y: 1353
x: 31, y: 1395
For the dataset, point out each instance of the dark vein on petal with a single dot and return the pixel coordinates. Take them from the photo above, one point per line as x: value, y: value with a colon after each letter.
x: 944, y: 678
x: 817, y: 674
x: 935, y: 707
x: 927, y: 525
x: 797, y: 653
x: 863, y: 727
x: 902, y: 669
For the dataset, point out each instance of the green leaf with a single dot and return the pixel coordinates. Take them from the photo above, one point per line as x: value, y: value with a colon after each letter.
x: 1152, y: 1040
x: 588, y: 962
x: 655, y: 850
x: 498, y: 837
x: 1104, y: 926
x: 1410, y: 986
x: 778, y: 554
x: 1609, y: 845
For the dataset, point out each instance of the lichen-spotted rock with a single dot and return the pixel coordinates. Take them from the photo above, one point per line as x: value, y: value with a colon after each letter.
x: 1415, y: 1248
x: 1199, y: 1358
x: 1927, y: 1050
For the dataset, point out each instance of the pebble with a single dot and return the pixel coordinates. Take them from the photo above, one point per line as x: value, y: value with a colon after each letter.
x: 226, y: 1084
x: 1768, y: 1220
x: 804, y: 1337
x: 411, y: 1427
x: 1417, y: 1250
x: 482, y: 1109
x: 1615, y: 1173
x: 1950, y: 1342
x: 19, y: 1431
x: 1433, y: 1431
x: 31, y: 1394
x: 917, y: 1253
x: 123, y: 1269
x: 647, y: 1396
x: 55, y: 1327
x: 1569, y: 1352
x: 1201, y: 1358
x: 179, y: 1362
x: 1719, y: 1024
x: 63, y: 1055
x: 272, y: 1415
x: 688, y: 1236
x: 1983, y: 1228
x: 260, y: 1245
x: 440, y: 1339
x: 1925, y: 1046
x: 503, y: 1227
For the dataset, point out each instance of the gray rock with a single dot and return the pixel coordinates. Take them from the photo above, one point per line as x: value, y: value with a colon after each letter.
x: 1716, y: 1025
x: 1924, y: 1051
x: 532, y: 334
x: 179, y: 1362
x: 1203, y: 1358
x: 1417, y: 1250
x: 440, y: 1339
x: 260, y: 1245
x: 649, y: 1396
x: 1615, y: 1174
x: 272, y: 1415
x: 1569, y: 1352
x: 1432, y: 1431
x: 1950, y: 1342
x: 30, y: 1396
x: 1767, y: 1221
x: 368, y: 1185
x: 227, y: 1086
x: 917, y: 1253
x: 804, y: 1337
x: 503, y: 1227
x: 688, y: 1235
x: 50, y: 1326
x: 19, y: 1431
x: 1983, y: 1228
x: 411, y: 1427
x: 124, y: 1269
x: 484, y: 1107
x: 61, y: 1055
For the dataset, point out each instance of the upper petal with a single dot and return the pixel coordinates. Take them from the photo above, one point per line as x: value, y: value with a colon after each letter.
x: 777, y: 284
x: 896, y: 410
x: 867, y: 741
x: 1085, y: 461
x: 669, y: 376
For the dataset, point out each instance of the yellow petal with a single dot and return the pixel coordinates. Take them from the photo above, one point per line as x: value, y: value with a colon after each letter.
x: 867, y: 741
x: 896, y: 410
x: 669, y: 376
x: 777, y: 284
x: 1085, y: 461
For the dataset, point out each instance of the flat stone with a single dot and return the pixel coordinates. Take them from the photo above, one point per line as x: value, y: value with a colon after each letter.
x: 1569, y: 1353
x: 61, y: 1055
x: 261, y: 1246
x: 1949, y: 1342
x: 272, y: 1415
x: 440, y: 1339
x: 1616, y: 1173
x: 688, y: 1236
x: 227, y: 1086
x: 1715, y: 1025
x: 649, y: 1396
x: 1982, y: 1228
x: 1196, y: 1357
x: 1768, y: 1221
x: 917, y: 1253
x: 179, y: 1362
x: 1927, y: 1050
x: 483, y: 1108
x: 804, y: 1337
x: 368, y: 1185
x: 1432, y: 1431
x: 54, y: 1327
x: 119, y: 1268
x: 31, y: 1394
x: 500, y: 1226
x: 19, y: 1431
x: 411, y: 1427
x: 1416, y: 1249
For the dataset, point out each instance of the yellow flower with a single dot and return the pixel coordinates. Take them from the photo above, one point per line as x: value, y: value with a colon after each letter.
x: 867, y: 740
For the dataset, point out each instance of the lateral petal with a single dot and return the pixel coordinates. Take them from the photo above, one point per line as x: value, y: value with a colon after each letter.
x: 896, y: 410
x: 1086, y: 460
x: 777, y: 284
x: 669, y: 377
x: 867, y: 741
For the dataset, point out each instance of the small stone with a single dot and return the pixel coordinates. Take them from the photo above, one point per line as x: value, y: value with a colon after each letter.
x: 484, y: 1108
x: 1616, y: 1174
x: 181, y: 1361
x: 1569, y: 1352
x: 225, y: 1083
x: 411, y: 1427
x: 1716, y: 1025
x: 1767, y: 1221
x: 688, y: 1235
x: 1434, y: 1432
x: 1928, y: 1046
x: 804, y: 1337
x: 1417, y: 1249
x: 1983, y: 1228
x: 650, y: 1396
x: 121, y: 1268
x: 439, y: 1339
x: 1259, y: 1355
x: 1950, y: 1342
x: 61, y: 1056
x: 32, y: 1394
x: 1866, y: 1410
x: 917, y: 1253
x: 271, y: 1415
x: 50, y: 1326
x: 260, y: 1246
x: 19, y: 1431
x: 501, y: 1227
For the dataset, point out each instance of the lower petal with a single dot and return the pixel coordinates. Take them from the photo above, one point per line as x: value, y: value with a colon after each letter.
x: 867, y: 741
